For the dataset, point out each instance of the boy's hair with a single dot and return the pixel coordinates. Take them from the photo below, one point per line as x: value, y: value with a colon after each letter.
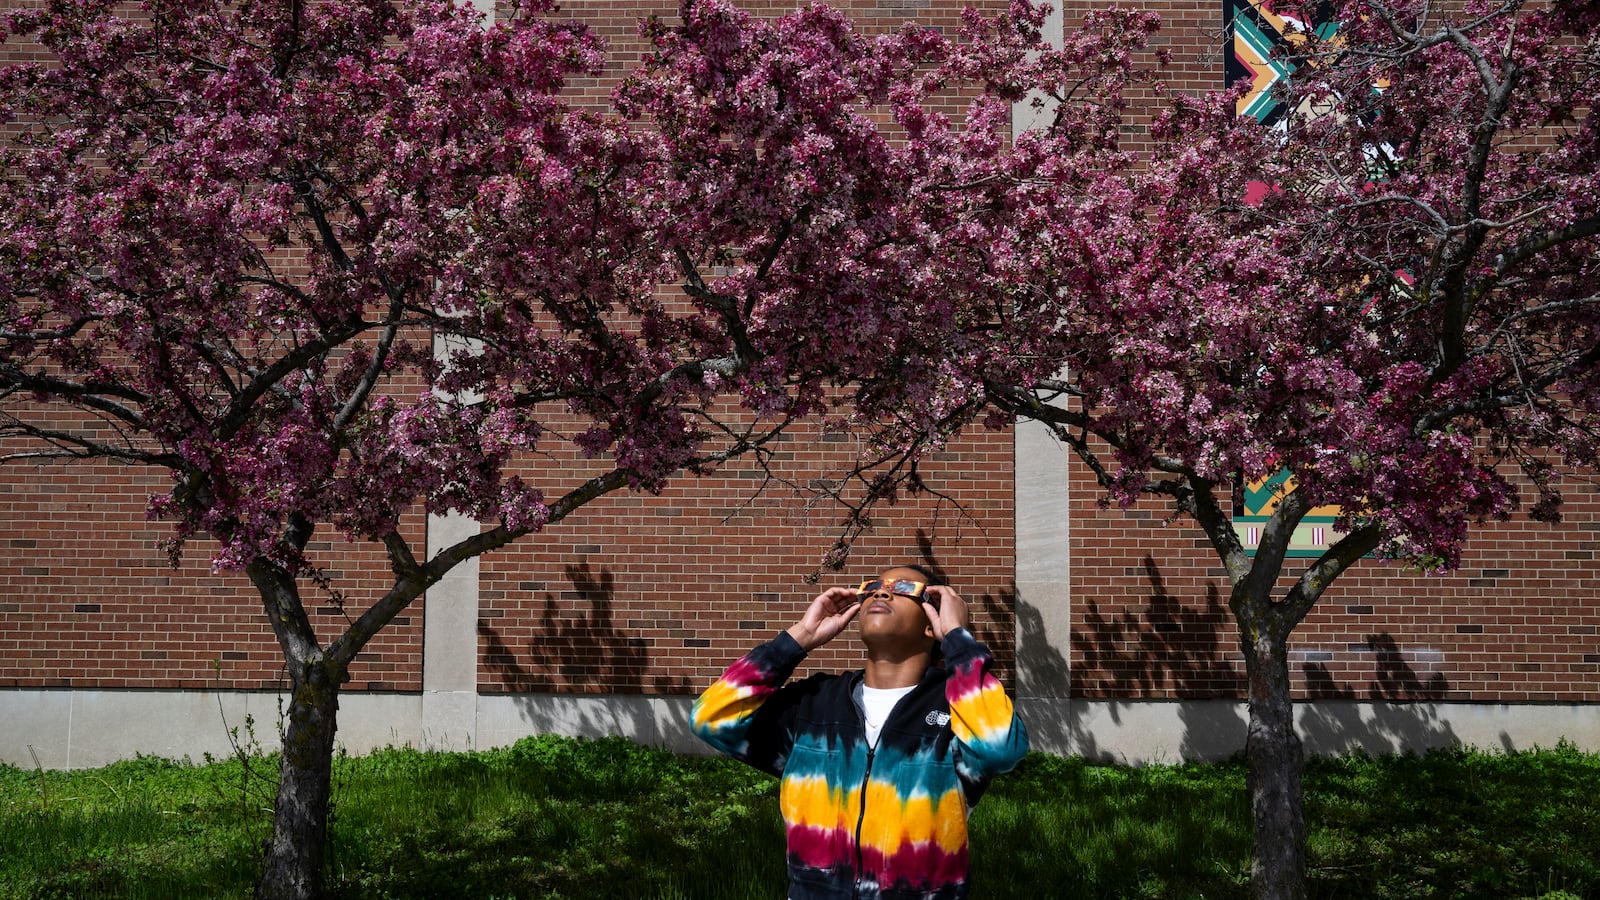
x: 929, y: 576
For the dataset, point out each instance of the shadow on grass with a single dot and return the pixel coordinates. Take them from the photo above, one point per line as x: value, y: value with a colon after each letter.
x: 554, y: 817
x: 558, y: 818
x: 1060, y: 827
x: 1455, y: 823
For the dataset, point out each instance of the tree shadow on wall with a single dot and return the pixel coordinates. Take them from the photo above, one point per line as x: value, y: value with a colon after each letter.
x: 1404, y: 707
x: 579, y: 651
x: 998, y: 610
x: 1168, y: 651
x: 1044, y: 685
x: 1040, y: 677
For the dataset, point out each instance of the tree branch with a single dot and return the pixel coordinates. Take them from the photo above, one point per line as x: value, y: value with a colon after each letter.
x: 726, y: 307
x: 280, y: 595
x: 369, y: 378
x: 1218, y: 526
x: 240, y: 407
x: 1308, y: 588
x: 74, y: 446
x: 410, y: 581
x: 1525, y: 249
x: 91, y: 395
x: 1269, y: 556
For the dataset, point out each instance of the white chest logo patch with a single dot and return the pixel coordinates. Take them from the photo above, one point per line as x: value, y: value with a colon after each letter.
x: 940, y: 719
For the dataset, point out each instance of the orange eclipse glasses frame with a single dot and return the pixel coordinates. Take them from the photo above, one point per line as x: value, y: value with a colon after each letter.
x: 902, y: 586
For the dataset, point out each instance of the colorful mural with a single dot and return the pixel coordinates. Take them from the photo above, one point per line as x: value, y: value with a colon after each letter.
x: 1259, y: 32
x: 1257, y: 501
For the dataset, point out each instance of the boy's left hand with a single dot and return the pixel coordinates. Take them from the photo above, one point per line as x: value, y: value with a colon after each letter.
x: 949, y: 614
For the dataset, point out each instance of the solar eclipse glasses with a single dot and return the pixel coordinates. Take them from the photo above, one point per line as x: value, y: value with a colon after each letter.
x: 901, y: 586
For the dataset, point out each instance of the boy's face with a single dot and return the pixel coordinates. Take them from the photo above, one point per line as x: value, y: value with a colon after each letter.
x: 889, y: 616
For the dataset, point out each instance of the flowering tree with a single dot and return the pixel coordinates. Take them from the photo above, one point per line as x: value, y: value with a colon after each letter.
x: 327, y: 263
x: 1392, y: 295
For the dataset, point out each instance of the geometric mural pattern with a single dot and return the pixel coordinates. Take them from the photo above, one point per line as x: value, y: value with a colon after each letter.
x: 1255, y: 504
x: 1259, y: 36
x: 1259, y: 48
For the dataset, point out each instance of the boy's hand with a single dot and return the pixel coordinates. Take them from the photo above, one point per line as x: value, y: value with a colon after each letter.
x: 948, y: 614
x: 828, y: 614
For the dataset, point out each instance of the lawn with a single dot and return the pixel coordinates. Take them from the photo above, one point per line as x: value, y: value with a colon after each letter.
x: 553, y: 817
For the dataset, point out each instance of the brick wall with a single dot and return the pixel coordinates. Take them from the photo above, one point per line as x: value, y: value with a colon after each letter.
x: 633, y: 593
x: 88, y: 598
x: 1516, y: 623
x: 657, y: 594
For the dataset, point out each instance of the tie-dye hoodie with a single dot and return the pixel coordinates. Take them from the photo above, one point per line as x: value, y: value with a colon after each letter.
x: 938, y: 750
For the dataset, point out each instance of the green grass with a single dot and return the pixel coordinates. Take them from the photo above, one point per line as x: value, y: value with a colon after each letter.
x: 552, y: 817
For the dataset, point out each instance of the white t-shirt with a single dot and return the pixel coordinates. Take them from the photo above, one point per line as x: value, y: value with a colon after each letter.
x: 877, y: 703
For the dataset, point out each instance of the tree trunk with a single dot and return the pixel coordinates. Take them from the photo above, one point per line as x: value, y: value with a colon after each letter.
x: 295, y: 856
x: 1276, y: 760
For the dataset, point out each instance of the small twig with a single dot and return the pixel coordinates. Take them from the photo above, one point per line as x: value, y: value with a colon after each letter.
x: 110, y: 787
x: 44, y: 787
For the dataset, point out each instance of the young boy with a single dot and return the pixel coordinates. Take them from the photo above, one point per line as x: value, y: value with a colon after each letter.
x: 879, y: 767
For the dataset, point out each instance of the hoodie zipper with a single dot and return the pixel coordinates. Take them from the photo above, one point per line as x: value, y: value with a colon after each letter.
x: 861, y: 818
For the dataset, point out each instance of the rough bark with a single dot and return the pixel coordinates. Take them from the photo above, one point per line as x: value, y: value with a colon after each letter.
x: 295, y: 858
x: 293, y: 868
x: 1276, y: 759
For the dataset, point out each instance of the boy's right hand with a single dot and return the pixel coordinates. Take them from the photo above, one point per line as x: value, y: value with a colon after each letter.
x: 828, y: 614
